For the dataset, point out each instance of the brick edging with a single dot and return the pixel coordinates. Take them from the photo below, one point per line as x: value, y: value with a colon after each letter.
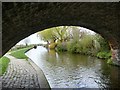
x: 41, y: 77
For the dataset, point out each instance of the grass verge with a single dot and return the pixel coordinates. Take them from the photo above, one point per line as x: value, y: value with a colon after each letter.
x: 20, y: 53
x: 4, y: 61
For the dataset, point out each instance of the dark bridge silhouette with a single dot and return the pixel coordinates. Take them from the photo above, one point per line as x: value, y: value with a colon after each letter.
x: 20, y: 20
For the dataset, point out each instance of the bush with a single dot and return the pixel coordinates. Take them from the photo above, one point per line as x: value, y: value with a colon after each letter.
x: 61, y: 47
x: 4, y: 61
x: 104, y: 45
x: 104, y: 55
x: 110, y: 61
x: 82, y: 46
x: 72, y: 47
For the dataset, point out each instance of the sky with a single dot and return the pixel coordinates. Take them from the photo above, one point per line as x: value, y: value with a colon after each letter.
x: 88, y: 30
x: 34, y: 39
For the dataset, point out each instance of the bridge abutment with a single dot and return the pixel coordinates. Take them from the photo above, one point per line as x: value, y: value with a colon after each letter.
x: 116, y: 57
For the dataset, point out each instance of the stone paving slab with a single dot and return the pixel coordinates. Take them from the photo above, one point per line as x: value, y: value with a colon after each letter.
x: 20, y: 74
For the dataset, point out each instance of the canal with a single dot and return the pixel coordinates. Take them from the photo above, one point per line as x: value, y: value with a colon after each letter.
x: 65, y: 70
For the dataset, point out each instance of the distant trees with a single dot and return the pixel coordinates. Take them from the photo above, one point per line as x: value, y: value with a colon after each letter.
x: 26, y: 41
x: 75, y: 40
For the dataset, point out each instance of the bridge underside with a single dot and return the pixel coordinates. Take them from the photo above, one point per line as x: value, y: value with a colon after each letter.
x: 20, y: 20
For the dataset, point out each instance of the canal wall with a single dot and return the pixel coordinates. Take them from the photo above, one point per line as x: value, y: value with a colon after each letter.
x: 41, y: 77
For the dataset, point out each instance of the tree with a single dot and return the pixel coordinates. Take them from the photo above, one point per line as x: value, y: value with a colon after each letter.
x: 26, y: 41
x: 61, y: 33
x: 46, y: 35
x: 53, y: 34
x: 75, y: 33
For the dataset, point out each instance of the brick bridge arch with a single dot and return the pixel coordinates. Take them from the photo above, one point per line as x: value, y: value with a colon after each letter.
x: 20, y: 20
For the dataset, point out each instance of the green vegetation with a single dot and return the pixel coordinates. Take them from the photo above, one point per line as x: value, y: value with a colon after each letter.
x: 104, y: 55
x: 53, y: 34
x: 4, y: 61
x: 16, y: 47
x: 83, y: 46
x: 110, y: 61
x: 17, y: 53
x: 20, y: 53
x: 61, y: 47
x: 75, y: 40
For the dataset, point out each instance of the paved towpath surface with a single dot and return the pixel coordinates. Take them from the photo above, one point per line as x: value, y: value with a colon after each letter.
x: 20, y: 74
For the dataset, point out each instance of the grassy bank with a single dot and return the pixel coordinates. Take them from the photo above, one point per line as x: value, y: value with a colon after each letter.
x: 20, y: 53
x: 4, y: 61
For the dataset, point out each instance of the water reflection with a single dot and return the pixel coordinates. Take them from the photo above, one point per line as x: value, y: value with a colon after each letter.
x: 64, y: 70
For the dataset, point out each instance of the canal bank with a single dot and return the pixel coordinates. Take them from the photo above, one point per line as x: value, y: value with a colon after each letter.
x: 23, y: 74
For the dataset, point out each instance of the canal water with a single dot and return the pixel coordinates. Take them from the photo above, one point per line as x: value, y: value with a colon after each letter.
x: 65, y: 70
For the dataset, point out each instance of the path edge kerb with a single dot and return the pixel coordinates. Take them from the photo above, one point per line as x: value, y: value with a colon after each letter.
x: 41, y: 77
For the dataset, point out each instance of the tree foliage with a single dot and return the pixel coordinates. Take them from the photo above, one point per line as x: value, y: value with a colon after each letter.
x: 55, y: 33
x: 73, y: 39
x: 47, y: 34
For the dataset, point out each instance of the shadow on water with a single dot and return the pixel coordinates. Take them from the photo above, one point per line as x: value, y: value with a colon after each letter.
x: 65, y: 70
